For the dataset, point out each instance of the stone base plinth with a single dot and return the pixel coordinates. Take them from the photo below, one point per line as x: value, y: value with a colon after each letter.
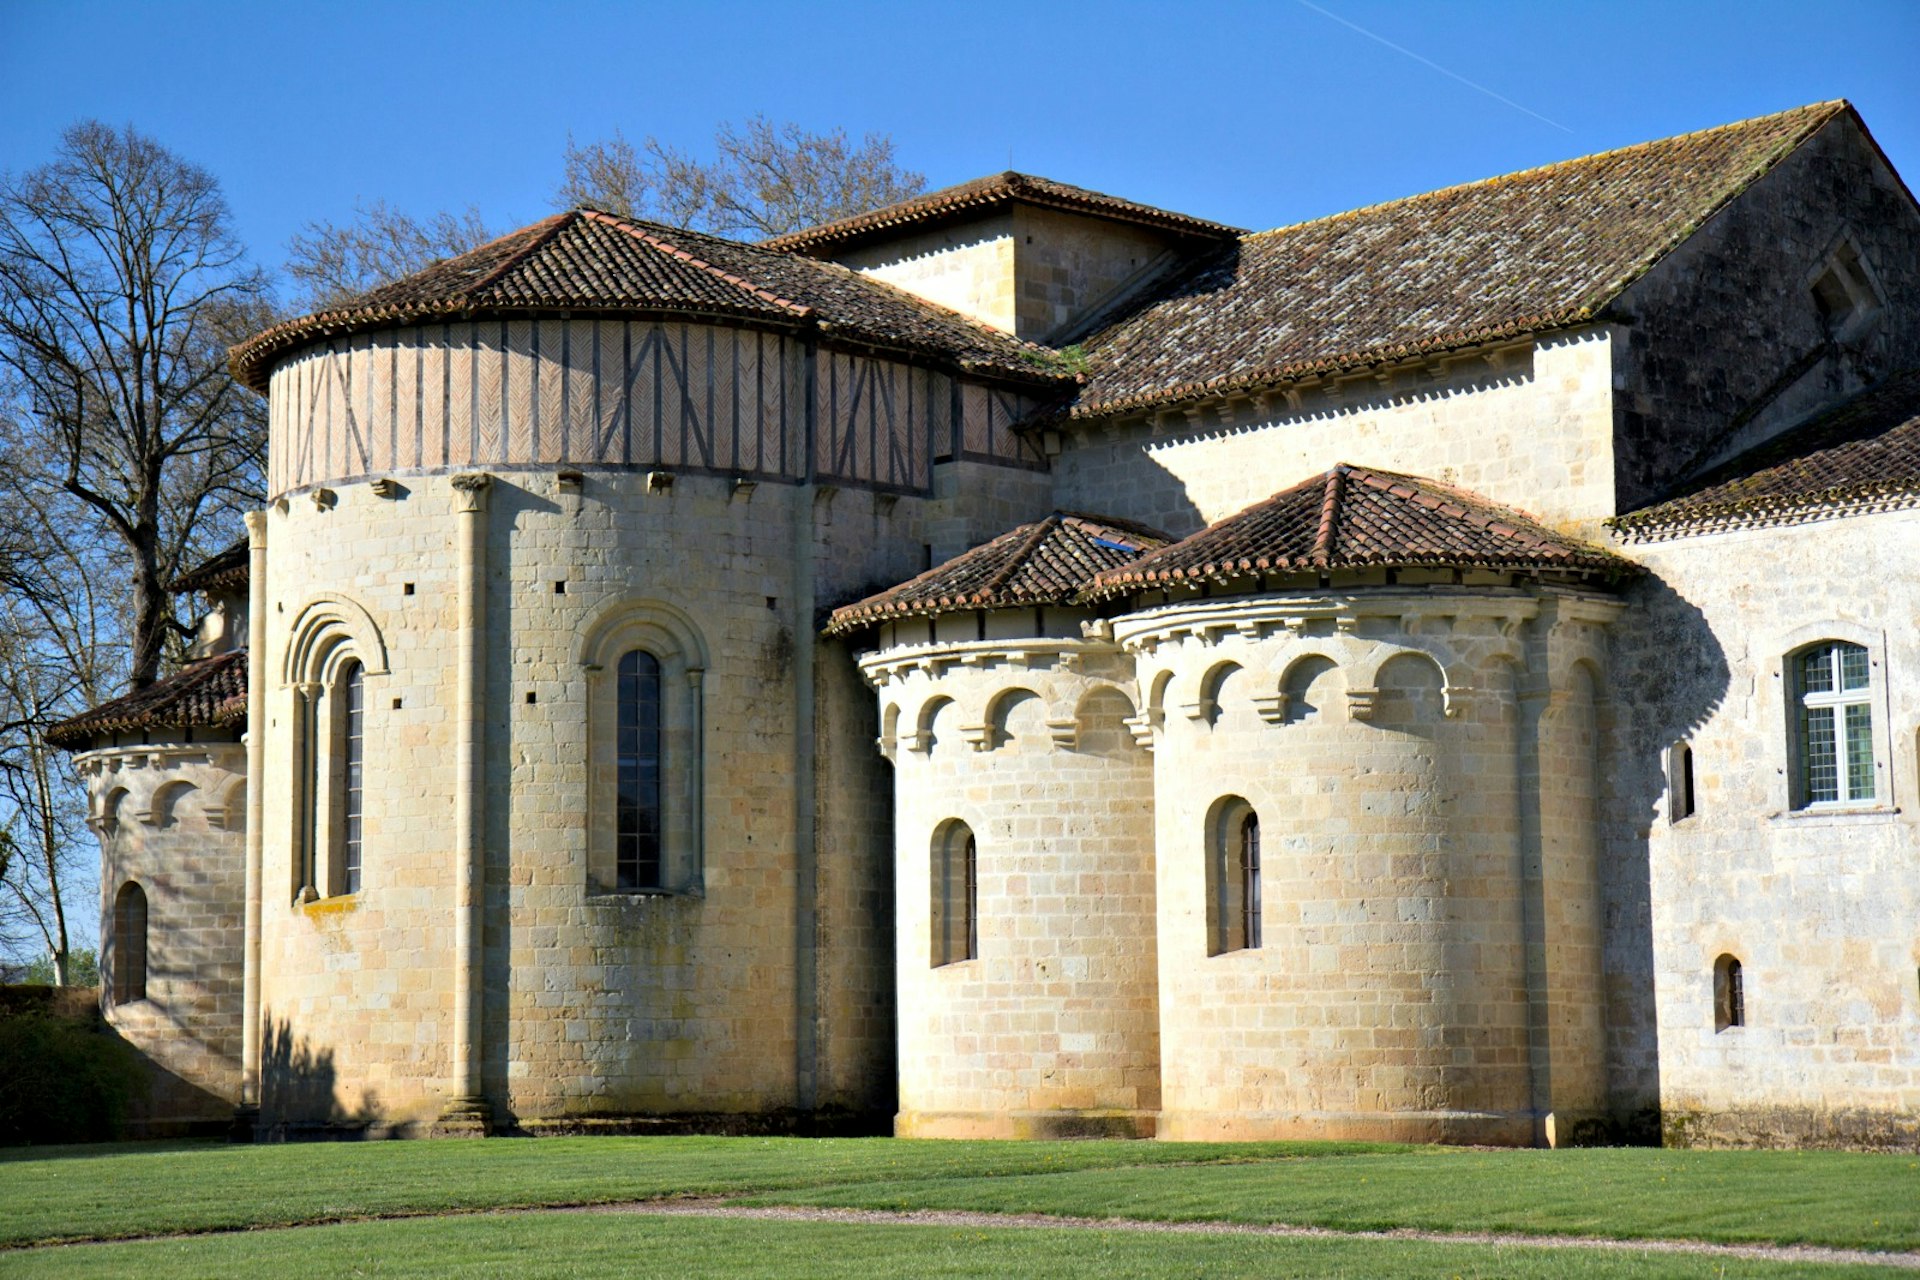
x: 1468, y: 1128
x: 463, y: 1118
x: 1025, y: 1124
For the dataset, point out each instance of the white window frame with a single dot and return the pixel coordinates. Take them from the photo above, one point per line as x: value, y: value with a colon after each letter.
x: 1837, y: 700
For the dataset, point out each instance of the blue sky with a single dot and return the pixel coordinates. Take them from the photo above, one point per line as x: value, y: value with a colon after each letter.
x: 1254, y: 114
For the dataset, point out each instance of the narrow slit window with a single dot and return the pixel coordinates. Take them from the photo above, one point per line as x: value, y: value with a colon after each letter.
x: 1729, y: 994
x: 1233, y: 878
x: 637, y: 863
x: 1250, y: 879
x: 954, y: 907
x: 129, y: 944
x: 1680, y: 781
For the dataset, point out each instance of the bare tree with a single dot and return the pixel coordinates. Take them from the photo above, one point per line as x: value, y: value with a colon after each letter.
x: 121, y: 287
x: 331, y: 262
x: 59, y: 645
x: 763, y: 179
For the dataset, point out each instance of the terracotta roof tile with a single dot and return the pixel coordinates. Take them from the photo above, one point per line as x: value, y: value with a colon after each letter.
x: 1356, y: 518
x: 1046, y: 562
x: 1863, y: 454
x: 588, y: 260
x: 224, y: 571
x: 1483, y: 262
x: 210, y: 693
x: 989, y: 193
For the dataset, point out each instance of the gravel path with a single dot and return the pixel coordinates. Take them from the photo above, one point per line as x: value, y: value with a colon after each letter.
x: 951, y: 1218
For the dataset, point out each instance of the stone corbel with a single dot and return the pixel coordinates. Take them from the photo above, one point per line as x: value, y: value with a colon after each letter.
x: 325, y: 499
x: 1272, y: 707
x: 1144, y: 726
x: 1361, y: 703
x: 978, y: 736
x: 918, y: 741
x: 1065, y: 733
x: 385, y: 487
x: 1455, y: 700
x: 1100, y: 629
x: 1202, y: 709
x: 888, y: 746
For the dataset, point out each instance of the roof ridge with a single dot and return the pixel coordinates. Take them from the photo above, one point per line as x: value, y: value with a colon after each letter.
x: 1036, y: 537
x: 543, y: 233
x: 664, y: 245
x: 1329, y: 514
x: 1831, y: 108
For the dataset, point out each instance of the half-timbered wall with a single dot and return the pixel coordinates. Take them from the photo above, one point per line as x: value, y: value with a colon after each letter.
x: 613, y: 392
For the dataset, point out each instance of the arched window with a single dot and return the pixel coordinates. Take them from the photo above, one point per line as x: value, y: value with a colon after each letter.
x: 1680, y: 802
x: 955, y: 882
x: 1233, y: 878
x: 352, y: 773
x: 645, y: 666
x: 1833, y: 725
x: 1729, y: 998
x: 129, y: 944
x: 638, y: 767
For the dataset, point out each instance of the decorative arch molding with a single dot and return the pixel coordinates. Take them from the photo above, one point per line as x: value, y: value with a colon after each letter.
x: 162, y: 807
x: 325, y: 629
x: 921, y: 740
x: 674, y: 640
x: 1205, y: 707
x: 659, y: 626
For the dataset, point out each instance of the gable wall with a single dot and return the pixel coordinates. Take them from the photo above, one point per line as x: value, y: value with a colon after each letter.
x: 967, y: 266
x: 1530, y: 427
x: 1724, y: 346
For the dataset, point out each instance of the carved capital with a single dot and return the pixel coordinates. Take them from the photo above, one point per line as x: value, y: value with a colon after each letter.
x: 470, y: 492
x: 978, y: 736
x: 1361, y: 703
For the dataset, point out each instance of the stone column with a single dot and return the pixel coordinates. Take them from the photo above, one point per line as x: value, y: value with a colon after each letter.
x: 249, y: 1109
x: 467, y: 1113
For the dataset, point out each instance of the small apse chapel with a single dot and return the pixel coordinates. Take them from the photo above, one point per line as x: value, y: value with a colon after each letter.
x: 1021, y: 662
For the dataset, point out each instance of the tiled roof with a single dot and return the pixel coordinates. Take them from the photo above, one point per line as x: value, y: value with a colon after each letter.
x: 1046, y: 562
x: 1862, y: 455
x: 1357, y: 518
x: 223, y: 571
x: 988, y: 193
x: 1484, y: 262
x: 588, y: 260
x: 209, y: 693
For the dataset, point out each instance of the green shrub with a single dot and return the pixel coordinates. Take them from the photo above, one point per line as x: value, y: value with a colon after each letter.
x: 63, y: 1079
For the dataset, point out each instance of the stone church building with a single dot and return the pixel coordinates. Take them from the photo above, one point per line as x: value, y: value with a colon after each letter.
x: 1022, y: 663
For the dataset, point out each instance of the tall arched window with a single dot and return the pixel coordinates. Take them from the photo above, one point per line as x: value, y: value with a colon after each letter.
x: 637, y: 861
x: 1833, y: 722
x: 352, y: 771
x: 1233, y: 877
x: 1729, y: 995
x: 955, y: 883
x: 1250, y: 878
x: 129, y: 944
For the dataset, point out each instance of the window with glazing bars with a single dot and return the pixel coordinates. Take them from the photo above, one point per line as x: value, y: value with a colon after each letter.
x: 1833, y: 685
x: 637, y: 832
x: 354, y: 686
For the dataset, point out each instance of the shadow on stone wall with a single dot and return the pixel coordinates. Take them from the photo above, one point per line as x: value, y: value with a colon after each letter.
x: 298, y: 1098
x: 1669, y: 675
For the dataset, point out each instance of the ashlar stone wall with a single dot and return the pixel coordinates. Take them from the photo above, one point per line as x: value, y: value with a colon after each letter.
x: 1530, y: 426
x: 1429, y: 962
x: 1052, y: 1028
x: 1818, y: 904
x: 171, y: 818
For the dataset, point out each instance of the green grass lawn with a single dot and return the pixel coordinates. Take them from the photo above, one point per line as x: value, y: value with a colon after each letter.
x: 1830, y: 1198
x: 554, y: 1245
